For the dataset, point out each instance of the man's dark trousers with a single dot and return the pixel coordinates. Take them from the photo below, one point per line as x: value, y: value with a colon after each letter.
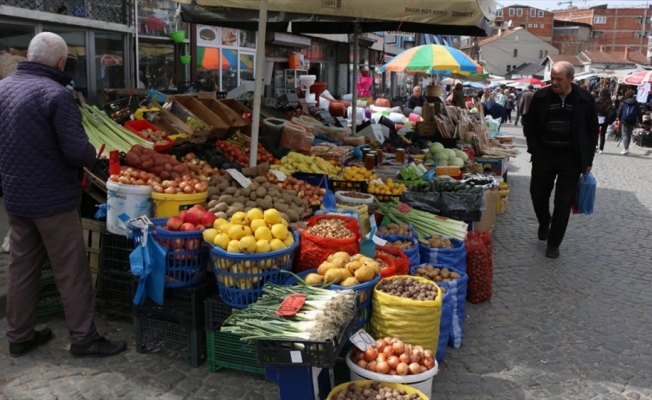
x: 548, y: 166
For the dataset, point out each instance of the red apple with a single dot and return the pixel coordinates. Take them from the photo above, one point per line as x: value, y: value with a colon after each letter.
x: 199, y: 207
x: 187, y: 227
x: 199, y: 227
x: 193, y: 217
x: 182, y: 214
x: 208, y: 219
x: 174, y: 223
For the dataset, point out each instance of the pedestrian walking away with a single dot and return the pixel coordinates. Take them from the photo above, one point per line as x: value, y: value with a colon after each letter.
x: 561, y: 130
x: 509, y: 106
x: 524, y: 103
x: 629, y: 114
x: 606, y: 115
x: 43, y: 148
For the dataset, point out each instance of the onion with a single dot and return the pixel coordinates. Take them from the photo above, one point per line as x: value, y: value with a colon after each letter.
x: 158, y: 189
x: 414, y: 368
x: 372, y: 366
x: 359, y: 355
x: 422, y: 369
x: 194, y: 181
x: 429, y: 362
x: 198, y: 187
x: 414, y: 357
x: 382, y: 367
x: 399, y: 346
x: 388, y: 351
x: 370, y: 354
x: 362, y: 364
x: 380, y: 344
x: 393, y: 362
x: 381, y: 357
x: 402, y: 369
x: 428, y: 353
x: 186, y: 177
x: 140, y: 182
x: 171, y: 190
x: 123, y: 180
x: 183, y: 185
x: 393, y: 372
x: 188, y: 189
x: 404, y: 358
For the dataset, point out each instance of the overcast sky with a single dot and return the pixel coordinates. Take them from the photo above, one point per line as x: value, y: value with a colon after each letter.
x: 552, y: 5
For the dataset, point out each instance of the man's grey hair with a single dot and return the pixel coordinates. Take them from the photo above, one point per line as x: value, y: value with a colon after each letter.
x: 566, y: 67
x: 47, y: 48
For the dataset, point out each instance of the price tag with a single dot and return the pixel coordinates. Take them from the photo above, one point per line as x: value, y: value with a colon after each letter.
x: 403, y: 208
x: 362, y: 340
x: 379, y: 241
x: 241, y: 179
x: 278, y: 174
x: 291, y: 305
x: 140, y: 222
x: 295, y: 357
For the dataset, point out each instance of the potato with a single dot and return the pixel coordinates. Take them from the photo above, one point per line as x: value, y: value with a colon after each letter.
x: 349, y: 282
x: 261, y: 179
x: 261, y: 192
x: 221, y: 207
x: 241, y: 199
x: 263, y: 204
x: 314, y: 279
x: 212, y: 191
x: 237, y: 194
x: 229, y: 190
x: 212, y: 204
x: 454, y: 275
x: 284, y: 216
x: 298, y: 201
x: 293, y: 216
x: 251, y: 204
x: 245, y: 192
x: 282, y: 208
x: 364, y: 274
x: 445, y: 273
x: 221, y: 214
x: 226, y: 198
x: 324, y: 267
x: 224, y: 185
x: 333, y: 275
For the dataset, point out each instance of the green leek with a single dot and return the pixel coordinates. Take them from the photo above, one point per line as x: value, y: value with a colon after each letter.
x: 424, y: 223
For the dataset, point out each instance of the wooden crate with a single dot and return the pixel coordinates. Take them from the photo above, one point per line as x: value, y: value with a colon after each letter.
x: 92, y: 230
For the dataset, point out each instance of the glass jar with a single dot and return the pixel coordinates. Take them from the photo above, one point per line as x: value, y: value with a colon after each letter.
x: 379, y: 157
x: 370, y: 161
x: 400, y: 156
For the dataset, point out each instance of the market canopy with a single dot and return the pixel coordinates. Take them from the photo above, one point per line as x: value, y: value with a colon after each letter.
x: 462, y: 17
x: 432, y: 59
x: 637, y: 79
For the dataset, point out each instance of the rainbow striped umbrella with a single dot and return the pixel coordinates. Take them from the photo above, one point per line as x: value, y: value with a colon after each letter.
x: 432, y: 59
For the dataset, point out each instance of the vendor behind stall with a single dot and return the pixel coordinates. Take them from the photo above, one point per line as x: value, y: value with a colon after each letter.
x: 414, y: 101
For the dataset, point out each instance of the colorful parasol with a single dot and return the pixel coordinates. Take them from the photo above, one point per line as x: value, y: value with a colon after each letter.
x: 432, y: 59
x: 531, y: 81
x: 208, y: 58
x: 637, y: 79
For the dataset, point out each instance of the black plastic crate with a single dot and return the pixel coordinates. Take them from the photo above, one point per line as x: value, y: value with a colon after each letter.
x: 161, y: 332
x: 348, y: 186
x: 320, y: 354
x: 120, y: 110
x: 116, y: 292
x: 49, y: 300
x: 216, y: 312
x: 114, y: 254
x: 186, y: 305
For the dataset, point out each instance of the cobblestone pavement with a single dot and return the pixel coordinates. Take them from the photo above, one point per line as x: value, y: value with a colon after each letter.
x: 572, y: 328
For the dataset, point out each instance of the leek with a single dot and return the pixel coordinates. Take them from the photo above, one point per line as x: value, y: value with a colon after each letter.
x: 424, y: 223
x: 102, y: 130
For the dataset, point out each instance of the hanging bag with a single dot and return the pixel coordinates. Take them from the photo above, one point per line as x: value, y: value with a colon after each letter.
x: 586, y: 194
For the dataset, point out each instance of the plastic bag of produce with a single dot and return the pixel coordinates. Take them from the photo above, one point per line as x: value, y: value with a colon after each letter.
x: 314, y: 248
x: 479, y: 267
x: 445, y: 323
x: 462, y: 206
x: 411, y: 253
x: 457, y: 289
x: 428, y: 202
x: 586, y: 194
x: 272, y: 129
x: 401, y: 261
x: 414, y: 321
x: 296, y: 137
x: 449, y: 258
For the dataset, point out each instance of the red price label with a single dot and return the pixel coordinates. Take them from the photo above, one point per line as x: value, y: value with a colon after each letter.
x: 291, y: 305
x: 403, y: 208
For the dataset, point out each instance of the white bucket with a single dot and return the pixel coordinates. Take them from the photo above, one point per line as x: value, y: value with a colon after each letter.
x: 359, y: 112
x: 423, y: 382
x: 124, y: 202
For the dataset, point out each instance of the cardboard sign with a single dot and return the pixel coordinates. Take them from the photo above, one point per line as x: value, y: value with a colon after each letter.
x: 291, y: 305
x: 241, y: 179
x: 362, y: 340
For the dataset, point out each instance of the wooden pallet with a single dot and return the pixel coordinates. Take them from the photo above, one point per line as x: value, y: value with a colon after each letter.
x: 92, y: 230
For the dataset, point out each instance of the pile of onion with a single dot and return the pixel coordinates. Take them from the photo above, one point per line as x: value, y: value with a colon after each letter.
x: 312, y: 195
x: 135, y: 176
x: 394, y: 357
x: 183, y: 185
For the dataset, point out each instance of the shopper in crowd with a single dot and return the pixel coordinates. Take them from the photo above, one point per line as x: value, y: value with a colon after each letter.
x: 561, y: 129
x: 499, y: 96
x: 519, y: 94
x: 629, y: 113
x: 524, y: 103
x: 458, y: 96
x: 495, y: 110
x: 413, y: 101
x: 487, y: 96
x: 606, y: 115
x: 43, y: 148
x: 509, y: 106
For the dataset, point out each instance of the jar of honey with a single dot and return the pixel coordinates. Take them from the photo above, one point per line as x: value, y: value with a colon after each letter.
x: 400, y: 156
x: 370, y: 161
x: 365, y: 151
x: 379, y: 157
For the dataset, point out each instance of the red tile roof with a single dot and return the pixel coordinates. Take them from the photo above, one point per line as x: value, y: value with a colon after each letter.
x: 635, y: 57
x: 564, y: 57
x: 496, y: 37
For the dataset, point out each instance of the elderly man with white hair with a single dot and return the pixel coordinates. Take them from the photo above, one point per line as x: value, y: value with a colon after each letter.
x: 43, y: 148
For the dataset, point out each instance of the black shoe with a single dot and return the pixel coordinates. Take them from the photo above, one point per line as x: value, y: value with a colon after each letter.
x: 552, y: 252
x: 20, y: 349
x: 544, y: 231
x: 101, y: 347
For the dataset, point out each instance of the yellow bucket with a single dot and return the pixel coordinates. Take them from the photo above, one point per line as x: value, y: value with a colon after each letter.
x: 501, y: 205
x: 408, y: 389
x: 167, y: 205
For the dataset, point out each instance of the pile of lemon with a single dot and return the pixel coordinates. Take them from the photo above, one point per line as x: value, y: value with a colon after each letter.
x: 252, y: 232
x: 387, y: 187
x: 356, y: 173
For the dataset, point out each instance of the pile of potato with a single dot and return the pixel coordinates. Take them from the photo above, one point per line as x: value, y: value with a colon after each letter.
x: 342, y: 269
x: 437, y: 274
x: 373, y: 391
x: 395, y: 229
x: 401, y: 244
x: 437, y: 242
x: 226, y: 197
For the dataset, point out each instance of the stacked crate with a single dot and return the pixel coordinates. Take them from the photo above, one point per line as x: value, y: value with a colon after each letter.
x: 115, y: 279
x: 49, y: 299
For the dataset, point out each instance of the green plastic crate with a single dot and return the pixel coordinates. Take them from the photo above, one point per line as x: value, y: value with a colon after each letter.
x: 225, y: 350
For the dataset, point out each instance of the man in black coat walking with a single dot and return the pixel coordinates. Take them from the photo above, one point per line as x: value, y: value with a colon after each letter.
x: 561, y: 129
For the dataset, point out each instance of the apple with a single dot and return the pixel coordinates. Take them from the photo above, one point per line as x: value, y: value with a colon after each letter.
x: 174, y: 223
x: 208, y: 218
x: 182, y: 214
x: 193, y: 217
x: 199, y: 227
x: 187, y: 227
x: 199, y: 207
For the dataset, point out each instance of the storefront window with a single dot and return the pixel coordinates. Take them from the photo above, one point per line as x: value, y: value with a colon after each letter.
x: 246, y: 67
x: 156, y: 64
x: 76, y: 64
x: 248, y: 39
x: 109, y: 62
x: 157, y: 18
x: 230, y: 70
x: 14, y: 40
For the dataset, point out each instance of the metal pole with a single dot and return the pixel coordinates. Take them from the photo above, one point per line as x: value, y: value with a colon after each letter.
x: 136, y: 48
x: 258, y: 82
x: 355, y: 79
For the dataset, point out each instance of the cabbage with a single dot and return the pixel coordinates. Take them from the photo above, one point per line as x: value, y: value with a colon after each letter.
x: 432, y: 148
x: 463, y: 156
x: 442, y: 163
x: 443, y: 155
x: 456, y: 162
x: 451, y: 154
x: 437, y: 147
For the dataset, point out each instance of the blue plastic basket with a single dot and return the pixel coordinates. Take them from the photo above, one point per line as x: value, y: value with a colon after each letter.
x: 233, y: 271
x: 366, y: 291
x: 186, y: 257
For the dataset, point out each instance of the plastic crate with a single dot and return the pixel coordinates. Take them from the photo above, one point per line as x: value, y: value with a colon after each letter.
x: 49, y: 300
x: 317, y: 180
x: 226, y: 350
x: 116, y: 292
x: 114, y: 255
x: 215, y: 312
x: 120, y: 110
x: 186, y: 257
x: 386, y: 197
x: 341, y: 371
x: 300, y: 381
x: 347, y: 186
x: 142, y: 125
x: 185, y: 304
x: 162, y: 332
x: 270, y: 267
x: 320, y: 354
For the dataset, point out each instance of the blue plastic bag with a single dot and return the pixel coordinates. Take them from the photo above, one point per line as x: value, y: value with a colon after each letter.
x: 586, y: 194
x: 457, y: 289
x: 148, y: 264
x: 413, y: 253
x: 449, y: 258
x: 445, y: 325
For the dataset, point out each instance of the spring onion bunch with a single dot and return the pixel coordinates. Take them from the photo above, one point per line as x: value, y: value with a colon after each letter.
x: 101, y: 129
x: 322, y: 316
x: 425, y: 223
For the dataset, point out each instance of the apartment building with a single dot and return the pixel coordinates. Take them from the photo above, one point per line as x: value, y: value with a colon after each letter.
x: 536, y: 21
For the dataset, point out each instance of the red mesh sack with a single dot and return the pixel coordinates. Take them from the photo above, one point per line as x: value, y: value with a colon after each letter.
x: 479, y: 266
x: 314, y: 249
x: 400, y: 259
x: 390, y: 269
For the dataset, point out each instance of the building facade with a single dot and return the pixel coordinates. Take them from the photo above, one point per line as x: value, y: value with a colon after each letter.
x: 571, y: 37
x: 535, y: 20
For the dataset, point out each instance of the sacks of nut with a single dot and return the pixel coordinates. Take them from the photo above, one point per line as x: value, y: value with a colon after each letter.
x: 479, y: 267
x: 325, y: 235
x: 408, y: 307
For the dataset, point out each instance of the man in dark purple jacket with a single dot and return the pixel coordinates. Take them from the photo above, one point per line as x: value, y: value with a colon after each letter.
x: 43, y: 148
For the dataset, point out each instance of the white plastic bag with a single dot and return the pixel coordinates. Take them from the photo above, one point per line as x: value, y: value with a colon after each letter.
x: 5, y: 243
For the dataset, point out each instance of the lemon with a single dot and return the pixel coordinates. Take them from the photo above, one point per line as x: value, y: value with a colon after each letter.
x: 263, y: 233
x: 233, y: 246
x: 219, y: 222
x: 276, y: 244
x: 221, y: 240
x: 279, y: 231
x: 289, y: 241
x: 257, y: 223
x: 236, y: 232
x: 209, y: 235
x: 248, y: 244
x: 224, y: 228
x: 285, y: 222
x: 262, y: 246
x: 254, y: 213
x: 271, y: 216
x: 239, y: 218
x: 248, y: 231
